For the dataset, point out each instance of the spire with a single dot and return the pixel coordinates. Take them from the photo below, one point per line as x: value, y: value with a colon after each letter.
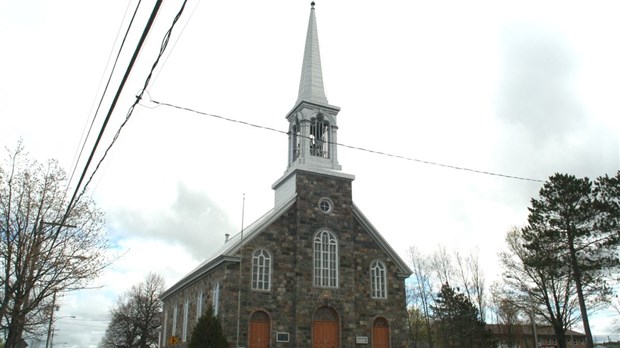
x: 311, y: 83
x: 313, y: 125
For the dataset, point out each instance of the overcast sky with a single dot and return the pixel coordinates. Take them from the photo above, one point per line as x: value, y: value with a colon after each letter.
x: 519, y: 88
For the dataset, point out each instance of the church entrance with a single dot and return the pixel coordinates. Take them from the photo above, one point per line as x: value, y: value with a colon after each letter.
x: 325, y: 329
x: 260, y: 330
x: 380, y: 333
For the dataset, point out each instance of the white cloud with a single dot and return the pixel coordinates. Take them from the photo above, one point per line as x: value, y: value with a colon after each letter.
x: 524, y: 89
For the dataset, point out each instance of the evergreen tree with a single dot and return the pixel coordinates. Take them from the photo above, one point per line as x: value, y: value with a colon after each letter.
x: 576, y: 222
x: 458, y: 322
x: 208, y: 332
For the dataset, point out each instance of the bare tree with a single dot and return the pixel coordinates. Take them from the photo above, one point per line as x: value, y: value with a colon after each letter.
x: 545, y: 290
x: 472, y: 279
x: 509, y: 317
x: 421, y: 296
x: 576, y: 222
x: 38, y: 256
x: 442, y: 264
x: 136, y: 316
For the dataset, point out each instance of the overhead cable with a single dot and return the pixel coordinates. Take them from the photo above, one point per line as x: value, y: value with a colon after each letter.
x: 105, y: 90
x: 162, y: 49
x: 353, y: 147
x: 145, y: 32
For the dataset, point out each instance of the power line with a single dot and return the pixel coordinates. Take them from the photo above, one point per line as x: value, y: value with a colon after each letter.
x: 105, y: 122
x: 353, y: 147
x: 163, y: 46
x: 105, y: 90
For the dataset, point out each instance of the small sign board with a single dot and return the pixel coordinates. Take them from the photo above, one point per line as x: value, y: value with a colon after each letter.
x: 282, y: 337
x: 361, y: 339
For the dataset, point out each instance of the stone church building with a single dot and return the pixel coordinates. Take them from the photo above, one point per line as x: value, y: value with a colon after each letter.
x: 312, y: 271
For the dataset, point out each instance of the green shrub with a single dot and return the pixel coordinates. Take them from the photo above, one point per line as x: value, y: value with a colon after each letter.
x: 208, y: 332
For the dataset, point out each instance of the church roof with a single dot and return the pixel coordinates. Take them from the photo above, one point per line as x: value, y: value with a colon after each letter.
x: 405, y: 270
x: 311, y: 82
x: 310, y: 91
x: 229, y: 252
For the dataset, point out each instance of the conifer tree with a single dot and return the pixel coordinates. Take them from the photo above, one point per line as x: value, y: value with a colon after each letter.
x: 458, y: 322
x: 208, y: 332
x: 577, y: 223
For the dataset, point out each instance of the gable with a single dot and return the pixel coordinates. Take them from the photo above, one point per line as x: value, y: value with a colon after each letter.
x: 405, y: 271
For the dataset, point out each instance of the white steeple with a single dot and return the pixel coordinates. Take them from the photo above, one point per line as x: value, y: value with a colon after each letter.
x: 313, y: 127
x: 311, y: 83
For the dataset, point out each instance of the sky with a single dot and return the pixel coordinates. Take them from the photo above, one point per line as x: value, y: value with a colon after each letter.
x: 520, y: 88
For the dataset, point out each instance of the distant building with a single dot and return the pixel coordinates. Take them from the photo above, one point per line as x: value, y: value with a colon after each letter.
x: 522, y: 336
x: 312, y: 271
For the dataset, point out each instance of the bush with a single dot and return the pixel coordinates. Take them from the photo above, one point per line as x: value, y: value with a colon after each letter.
x: 208, y: 332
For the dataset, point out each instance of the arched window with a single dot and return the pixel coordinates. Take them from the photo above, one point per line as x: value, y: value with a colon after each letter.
x: 261, y: 270
x: 319, y: 137
x: 185, y: 319
x: 216, y: 298
x: 325, y: 260
x: 199, y: 305
x: 378, y: 288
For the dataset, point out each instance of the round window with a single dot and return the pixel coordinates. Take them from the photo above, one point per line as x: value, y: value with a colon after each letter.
x: 326, y: 205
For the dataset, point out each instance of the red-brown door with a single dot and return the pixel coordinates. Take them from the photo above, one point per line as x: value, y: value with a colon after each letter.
x: 325, y: 329
x: 380, y: 333
x: 260, y: 330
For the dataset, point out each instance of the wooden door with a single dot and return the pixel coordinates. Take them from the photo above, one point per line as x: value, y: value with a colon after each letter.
x: 325, y: 329
x: 380, y: 333
x: 260, y: 330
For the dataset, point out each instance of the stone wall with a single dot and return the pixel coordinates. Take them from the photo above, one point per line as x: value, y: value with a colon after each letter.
x: 293, y: 298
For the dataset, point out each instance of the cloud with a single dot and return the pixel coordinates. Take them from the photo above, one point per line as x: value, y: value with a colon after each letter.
x: 83, y: 315
x: 192, y: 220
x: 536, y: 94
x: 544, y: 124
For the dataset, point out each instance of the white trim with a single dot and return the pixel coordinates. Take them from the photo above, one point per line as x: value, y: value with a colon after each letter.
x: 263, y: 270
x: 174, y: 321
x: 199, y: 305
x: 326, y: 266
x: 216, y: 298
x: 405, y: 271
x: 185, y: 319
x: 378, y: 282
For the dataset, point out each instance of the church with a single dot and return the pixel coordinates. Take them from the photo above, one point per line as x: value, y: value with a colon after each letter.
x: 312, y: 271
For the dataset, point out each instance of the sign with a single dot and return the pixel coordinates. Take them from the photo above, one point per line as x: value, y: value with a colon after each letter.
x: 361, y: 339
x: 282, y: 337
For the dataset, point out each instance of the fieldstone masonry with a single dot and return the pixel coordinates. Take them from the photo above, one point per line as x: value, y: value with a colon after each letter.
x: 294, y: 312
x: 293, y: 298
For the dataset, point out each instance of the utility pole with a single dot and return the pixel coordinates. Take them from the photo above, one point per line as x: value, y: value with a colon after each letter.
x: 50, y: 333
x: 49, y: 327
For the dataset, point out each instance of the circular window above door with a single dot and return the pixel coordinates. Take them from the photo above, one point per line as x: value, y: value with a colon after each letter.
x: 326, y: 205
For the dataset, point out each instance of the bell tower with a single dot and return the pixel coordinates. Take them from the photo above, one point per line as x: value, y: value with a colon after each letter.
x: 313, y: 123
